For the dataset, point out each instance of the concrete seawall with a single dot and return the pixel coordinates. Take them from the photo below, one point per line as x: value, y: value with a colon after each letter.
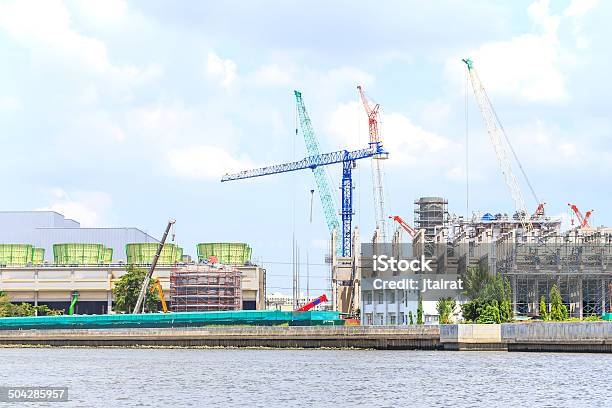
x: 366, y: 337
x: 532, y: 336
x: 535, y: 336
x: 570, y: 336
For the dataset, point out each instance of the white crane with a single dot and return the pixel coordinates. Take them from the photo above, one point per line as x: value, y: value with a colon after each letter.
x: 496, y: 133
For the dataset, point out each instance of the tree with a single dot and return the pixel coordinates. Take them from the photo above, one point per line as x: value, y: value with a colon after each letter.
x: 420, y: 311
x: 446, y: 309
x: 127, y: 289
x: 410, y: 317
x: 490, y: 298
x: 44, y: 310
x: 475, y: 279
x: 489, y: 313
x: 8, y: 309
x: 558, y: 311
x: 543, y: 311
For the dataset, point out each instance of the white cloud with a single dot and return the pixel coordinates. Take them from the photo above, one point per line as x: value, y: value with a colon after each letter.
x: 271, y: 75
x: 102, y: 12
x: 10, y: 103
x: 578, y: 8
x: 90, y: 208
x: 224, y: 69
x: 205, y: 162
x: 45, y: 28
x: 531, y: 65
x: 408, y: 144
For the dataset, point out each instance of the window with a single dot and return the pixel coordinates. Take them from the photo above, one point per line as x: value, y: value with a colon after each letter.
x: 379, y: 296
x: 402, y: 318
x: 368, y: 298
x: 392, y: 319
x: 368, y: 319
x: 390, y: 296
x: 379, y: 319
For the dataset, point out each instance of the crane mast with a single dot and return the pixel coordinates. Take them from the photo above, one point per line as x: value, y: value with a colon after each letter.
x: 321, y: 179
x: 377, y: 178
x: 496, y: 135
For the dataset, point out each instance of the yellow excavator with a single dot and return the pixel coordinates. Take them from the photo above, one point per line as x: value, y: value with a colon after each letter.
x: 157, y: 286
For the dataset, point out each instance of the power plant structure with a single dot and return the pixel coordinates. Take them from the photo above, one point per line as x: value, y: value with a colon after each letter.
x: 526, y: 247
x: 29, y: 274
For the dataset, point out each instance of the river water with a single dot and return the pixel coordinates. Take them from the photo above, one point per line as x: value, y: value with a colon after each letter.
x: 311, y: 378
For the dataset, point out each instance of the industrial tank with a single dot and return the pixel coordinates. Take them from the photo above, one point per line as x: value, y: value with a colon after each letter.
x: 78, y: 254
x: 143, y: 253
x: 15, y: 254
x: 228, y: 253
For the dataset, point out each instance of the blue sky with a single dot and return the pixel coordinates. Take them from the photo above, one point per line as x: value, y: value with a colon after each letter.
x: 127, y: 113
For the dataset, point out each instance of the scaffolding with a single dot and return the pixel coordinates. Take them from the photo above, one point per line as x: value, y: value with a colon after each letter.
x: 576, y: 261
x: 202, y: 288
x: 430, y: 214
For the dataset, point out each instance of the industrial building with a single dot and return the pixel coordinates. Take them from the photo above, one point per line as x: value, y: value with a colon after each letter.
x: 533, y: 256
x: 92, y: 266
x: 43, y: 229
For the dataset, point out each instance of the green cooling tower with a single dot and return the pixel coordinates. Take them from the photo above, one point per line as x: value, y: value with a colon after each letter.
x: 38, y: 256
x: 143, y: 253
x: 78, y: 254
x: 108, y: 256
x: 228, y: 253
x: 15, y: 254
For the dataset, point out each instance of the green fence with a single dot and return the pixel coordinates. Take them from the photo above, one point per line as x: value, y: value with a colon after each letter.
x: 190, y: 319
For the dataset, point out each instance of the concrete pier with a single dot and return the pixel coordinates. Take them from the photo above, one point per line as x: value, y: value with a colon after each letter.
x: 535, y: 336
x: 365, y: 337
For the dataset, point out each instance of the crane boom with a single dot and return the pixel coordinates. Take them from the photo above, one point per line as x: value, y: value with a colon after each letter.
x: 158, y: 287
x: 347, y: 158
x: 377, y: 178
x: 321, y: 179
x: 407, y: 227
x: 309, y: 162
x: 496, y: 133
x: 582, y: 220
x: 145, y: 284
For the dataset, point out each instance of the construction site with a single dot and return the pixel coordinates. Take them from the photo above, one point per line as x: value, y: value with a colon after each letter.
x: 526, y: 246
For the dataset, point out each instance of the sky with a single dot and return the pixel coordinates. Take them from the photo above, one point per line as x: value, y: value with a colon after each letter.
x: 127, y: 113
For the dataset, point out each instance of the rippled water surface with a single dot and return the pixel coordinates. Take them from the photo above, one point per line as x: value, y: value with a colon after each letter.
x: 313, y: 378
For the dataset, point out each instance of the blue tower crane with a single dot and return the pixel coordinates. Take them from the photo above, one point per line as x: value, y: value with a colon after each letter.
x: 347, y: 158
x: 312, y: 147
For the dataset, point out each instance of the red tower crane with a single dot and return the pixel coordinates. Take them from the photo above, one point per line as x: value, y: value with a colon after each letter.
x: 372, y: 110
x: 583, y: 221
x: 409, y: 229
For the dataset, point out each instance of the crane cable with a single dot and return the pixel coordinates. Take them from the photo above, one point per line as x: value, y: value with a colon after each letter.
x: 535, y: 196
